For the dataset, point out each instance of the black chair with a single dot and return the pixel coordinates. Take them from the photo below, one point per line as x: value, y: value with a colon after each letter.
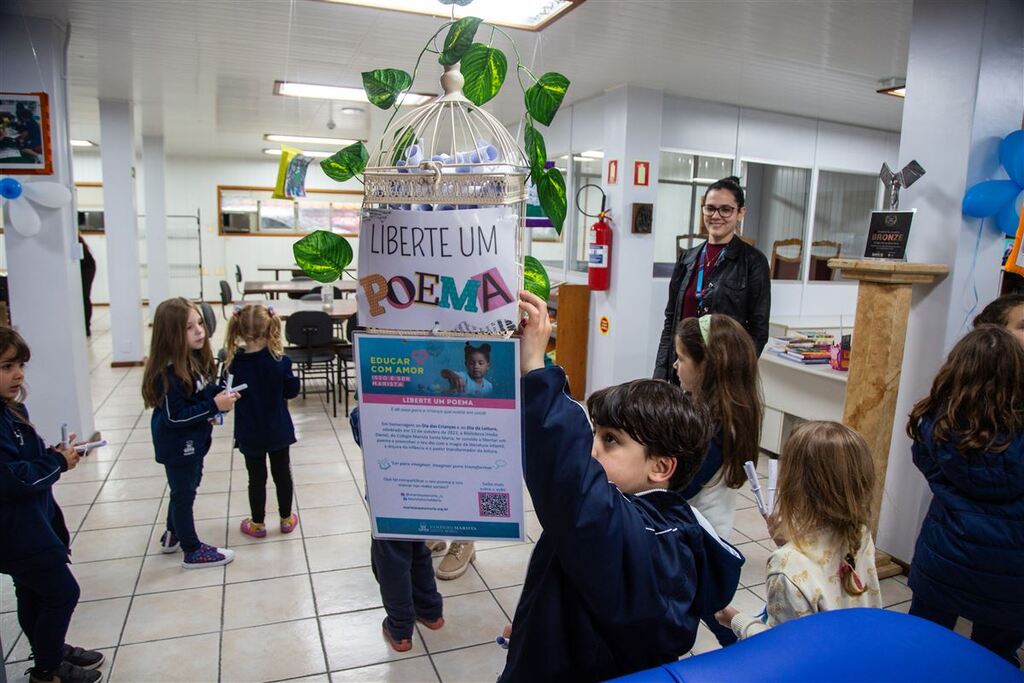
x: 238, y: 281
x: 299, y: 295
x: 225, y: 298
x: 346, y: 358
x: 312, y: 352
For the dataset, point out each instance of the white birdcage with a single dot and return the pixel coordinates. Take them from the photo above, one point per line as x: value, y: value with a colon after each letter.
x: 444, y: 155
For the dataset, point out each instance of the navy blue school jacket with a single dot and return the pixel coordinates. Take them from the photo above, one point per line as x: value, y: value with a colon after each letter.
x: 969, y: 557
x: 617, y: 582
x: 261, y: 413
x: 32, y: 531
x: 708, y: 469
x: 181, y: 422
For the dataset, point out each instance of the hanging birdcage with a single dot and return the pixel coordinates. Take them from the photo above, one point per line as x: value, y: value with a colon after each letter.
x: 446, y: 156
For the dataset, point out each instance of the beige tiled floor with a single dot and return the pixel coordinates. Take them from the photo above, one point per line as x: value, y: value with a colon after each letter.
x: 301, y: 607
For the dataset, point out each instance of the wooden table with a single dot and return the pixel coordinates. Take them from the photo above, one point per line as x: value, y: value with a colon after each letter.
x: 341, y: 309
x: 277, y: 269
x: 277, y: 287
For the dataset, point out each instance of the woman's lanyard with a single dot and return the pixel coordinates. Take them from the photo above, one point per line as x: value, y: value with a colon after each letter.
x: 700, y: 272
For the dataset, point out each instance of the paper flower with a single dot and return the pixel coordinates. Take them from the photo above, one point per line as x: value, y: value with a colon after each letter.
x: 21, y: 214
x: 1001, y: 198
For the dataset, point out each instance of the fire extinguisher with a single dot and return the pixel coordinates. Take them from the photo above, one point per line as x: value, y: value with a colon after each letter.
x: 599, y: 254
x: 599, y: 244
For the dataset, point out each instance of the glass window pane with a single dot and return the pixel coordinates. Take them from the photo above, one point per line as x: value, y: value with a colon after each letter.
x: 587, y: 171
x: 314, y: 215
x: 345, y: 217
x: 776, y: 203
x: 842, y: 214
x: 682, y: 181
x: 277, y: 215
x: 546, y: 245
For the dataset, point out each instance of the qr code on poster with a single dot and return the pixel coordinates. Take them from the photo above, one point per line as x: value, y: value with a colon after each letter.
x: 494, y: 504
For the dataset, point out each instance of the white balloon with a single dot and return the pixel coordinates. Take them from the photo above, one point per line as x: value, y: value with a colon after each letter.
x: 47, y: 193
x: 23, y: 218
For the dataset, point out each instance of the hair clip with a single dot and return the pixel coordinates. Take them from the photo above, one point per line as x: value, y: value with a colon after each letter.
x: 270, y: 311
x: 238, y: 310
x: 705, y: 327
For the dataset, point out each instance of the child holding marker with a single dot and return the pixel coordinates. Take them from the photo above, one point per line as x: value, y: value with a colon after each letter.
x: 969, y: 444
x: 263, y: 426
x: 625, y: 567
x: 176, y: 385
x: 34, y: 541
x: 823, y: 508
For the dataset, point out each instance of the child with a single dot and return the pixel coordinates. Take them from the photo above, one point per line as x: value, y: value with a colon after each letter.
x: 405, y: 574
x: 823, y: 506
x: 715, y: 362
x: 263, y: 427
x: 969, y: 443
x: 624, y: 568
x: 184, y: 405
x: 1006, y: 311
x: 473, y: 381
x: 34, y: 541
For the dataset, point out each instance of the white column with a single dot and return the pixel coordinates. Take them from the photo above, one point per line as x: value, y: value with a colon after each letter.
x: 117, y: 131
x: 44, y: 271
x: 632, y: 132
x: 964, y: 93
x: 156, y: 221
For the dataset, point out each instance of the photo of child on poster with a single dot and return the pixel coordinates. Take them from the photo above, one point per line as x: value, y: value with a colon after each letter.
x: 472, y: 382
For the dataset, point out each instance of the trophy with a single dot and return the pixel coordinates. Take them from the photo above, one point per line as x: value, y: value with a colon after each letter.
x: 894, y: 181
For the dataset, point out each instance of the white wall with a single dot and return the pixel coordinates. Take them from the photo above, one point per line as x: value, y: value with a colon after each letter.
x: 191, y: 185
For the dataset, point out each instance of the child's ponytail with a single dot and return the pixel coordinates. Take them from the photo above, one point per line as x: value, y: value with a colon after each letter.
x: 233, y: 336
x: 257, y: 323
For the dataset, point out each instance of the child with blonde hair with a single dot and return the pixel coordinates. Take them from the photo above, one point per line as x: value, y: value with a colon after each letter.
x: 263, y: 425
x: 823, y: 508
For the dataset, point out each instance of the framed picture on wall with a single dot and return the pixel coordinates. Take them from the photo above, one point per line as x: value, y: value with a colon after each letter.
x: 25, y: 134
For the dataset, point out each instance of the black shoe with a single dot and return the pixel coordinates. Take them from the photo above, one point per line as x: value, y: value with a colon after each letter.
x: 37, y: 675
x: 87, y: 659
x: 169, y: 542
x: 69, y: 673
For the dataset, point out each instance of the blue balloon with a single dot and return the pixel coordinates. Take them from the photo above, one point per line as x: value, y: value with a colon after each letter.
x: 1007, y: 219
x: 1011, y: 155
x: 10, y: 188
x: 986, y: 198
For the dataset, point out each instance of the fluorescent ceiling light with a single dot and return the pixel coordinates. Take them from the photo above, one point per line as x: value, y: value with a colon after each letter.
x: 531, y: 15
x: 337, y: 92
x: 315, y: 153
x: 309, y: 140
x: 897, y: 87
x: 83, y: 143
x: 351, y: 111
x: 592, y: 154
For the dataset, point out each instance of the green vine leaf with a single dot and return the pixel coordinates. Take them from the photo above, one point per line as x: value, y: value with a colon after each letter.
x: 536, y: 151
x: 551, y: 194
x: 402, y: 139
x: 545, y: 96
x: 347, y: 163
x: 459, y: 39
x: 484, y: 69
x: 322, y: 255
x: 383, y: 86
x: 535, y: 278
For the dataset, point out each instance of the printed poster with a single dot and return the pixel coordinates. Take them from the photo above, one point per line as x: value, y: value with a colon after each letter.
x: 453, y: 270
x: 441, y: 436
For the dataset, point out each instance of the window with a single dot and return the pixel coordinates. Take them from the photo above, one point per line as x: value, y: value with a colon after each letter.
x: 776, y: 201
x: 682, y: 181
x: 254, y: 211
x: 89, y: 205
x: 842, y: 214
x: 586, y: 170
x: 546, y: 245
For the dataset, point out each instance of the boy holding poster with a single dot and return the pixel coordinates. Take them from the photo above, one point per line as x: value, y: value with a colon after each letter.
x: 624, y: 567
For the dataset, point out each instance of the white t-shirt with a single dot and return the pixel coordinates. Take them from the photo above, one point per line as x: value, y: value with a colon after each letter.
x: 474, y: 388
x: 717, y: 502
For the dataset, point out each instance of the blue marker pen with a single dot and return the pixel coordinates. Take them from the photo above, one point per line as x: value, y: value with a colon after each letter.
x: 503, y: 642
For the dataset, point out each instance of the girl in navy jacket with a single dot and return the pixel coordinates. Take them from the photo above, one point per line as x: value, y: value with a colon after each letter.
x: 175, y: 385
x: 263, y: 426
x: 34, y: 541
x: 969, y: 443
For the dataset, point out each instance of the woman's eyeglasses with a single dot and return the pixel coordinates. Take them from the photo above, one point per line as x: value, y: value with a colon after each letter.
x: 723, y: 211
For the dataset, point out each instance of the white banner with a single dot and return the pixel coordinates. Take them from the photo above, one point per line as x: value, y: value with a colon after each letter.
x: 451, y: 270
